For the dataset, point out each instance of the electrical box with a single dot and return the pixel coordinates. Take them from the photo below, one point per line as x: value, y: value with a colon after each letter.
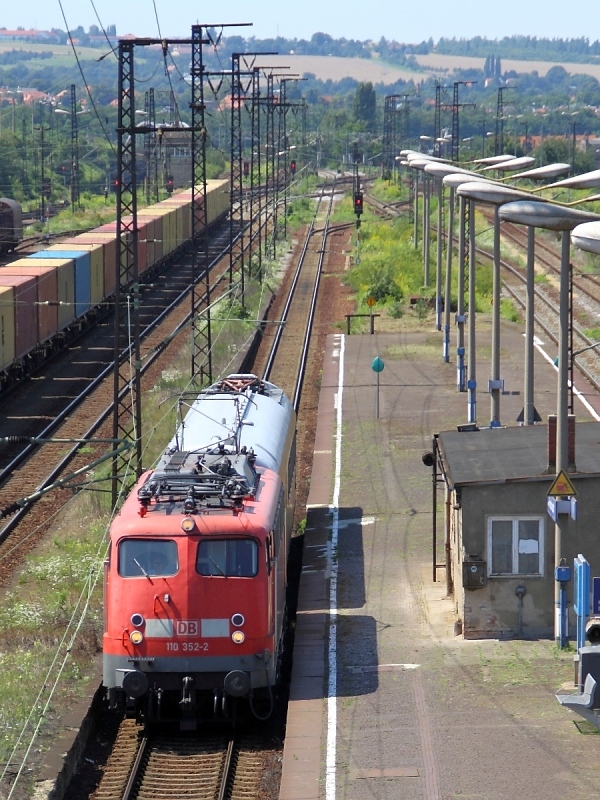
x: 474, y: 574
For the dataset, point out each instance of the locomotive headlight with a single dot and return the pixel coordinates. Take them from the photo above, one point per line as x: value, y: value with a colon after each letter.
x: 137, y: 620
x: 188, y: 524
x: 136, y: 637
x: 238, y: 637
x: 238, y: 620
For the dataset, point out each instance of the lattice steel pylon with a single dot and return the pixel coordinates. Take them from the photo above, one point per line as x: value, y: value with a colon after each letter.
x: 255, y: 176
x: 127, y: 412
x: 150, y: 145
x: 499, y: 137
x: 201, y: 316
x: 270, y: 159
x: 456, y: 106
x: 437, y: 125
x: 74, y: 150
x: 236, y: 216
x: 390, y: 111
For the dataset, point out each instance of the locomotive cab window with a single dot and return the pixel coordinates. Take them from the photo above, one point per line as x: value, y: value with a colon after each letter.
x: 228, y: 558
x: 147, y: 558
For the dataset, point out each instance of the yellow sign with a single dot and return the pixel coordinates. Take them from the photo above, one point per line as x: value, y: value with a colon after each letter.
x: 371, y: 301
x: 562, y: 486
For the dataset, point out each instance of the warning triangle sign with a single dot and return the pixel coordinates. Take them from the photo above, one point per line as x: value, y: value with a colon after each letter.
x: 562, y: 486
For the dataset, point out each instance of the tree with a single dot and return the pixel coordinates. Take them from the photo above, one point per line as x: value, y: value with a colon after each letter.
x: 365, y: 105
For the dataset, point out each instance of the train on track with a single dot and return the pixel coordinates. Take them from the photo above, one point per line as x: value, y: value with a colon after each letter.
x: 195, y: 579
x: 49, y: 297
x: 11, y: 224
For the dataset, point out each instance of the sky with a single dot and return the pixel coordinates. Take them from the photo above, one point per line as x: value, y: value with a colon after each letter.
x: 350, y: 19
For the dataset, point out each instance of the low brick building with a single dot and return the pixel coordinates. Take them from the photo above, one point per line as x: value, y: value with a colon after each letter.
x: 499, y: 536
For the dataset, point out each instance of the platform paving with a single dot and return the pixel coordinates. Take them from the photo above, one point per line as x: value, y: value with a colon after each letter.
x: 413, y: 711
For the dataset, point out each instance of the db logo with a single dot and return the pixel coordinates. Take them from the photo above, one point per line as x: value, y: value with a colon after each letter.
x: 187, y: 627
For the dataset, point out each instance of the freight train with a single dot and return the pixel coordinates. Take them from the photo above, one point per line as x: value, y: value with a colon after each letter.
x: 50, y: 296
x: 11, y: 224
x: 195, y: 578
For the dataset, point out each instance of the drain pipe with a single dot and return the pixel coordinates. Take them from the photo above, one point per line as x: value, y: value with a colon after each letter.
x: 520, y: 591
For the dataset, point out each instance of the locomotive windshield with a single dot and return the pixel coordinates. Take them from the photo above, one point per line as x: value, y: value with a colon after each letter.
x: 147, y: 557
x: 228, y: 558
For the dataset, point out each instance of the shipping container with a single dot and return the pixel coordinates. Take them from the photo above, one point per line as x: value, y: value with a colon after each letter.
x: 217, y: 193
x: 47, y: 293
x: 169, y: 227
x: 82, y: 270
x: 142, y: 253
x: 154, y: 234
x: 7, y: 327
x: 109, y: 242
x: 96, y: 252
x: 26, y: 311
x: 65, y: 274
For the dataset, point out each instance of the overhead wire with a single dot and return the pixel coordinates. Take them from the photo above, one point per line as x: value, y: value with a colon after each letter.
x: 85, y: 83
x: 110, y: 44
x: 62, y: 655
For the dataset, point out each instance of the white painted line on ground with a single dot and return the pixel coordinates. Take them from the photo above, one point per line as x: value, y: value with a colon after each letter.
x: 330, y: 759
x: 576, y: 391
x: 357, y: 521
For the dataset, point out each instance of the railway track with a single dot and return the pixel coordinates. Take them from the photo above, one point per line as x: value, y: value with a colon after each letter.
x: 285, y: 362
x: 231, y: 764
x: 148, y: 766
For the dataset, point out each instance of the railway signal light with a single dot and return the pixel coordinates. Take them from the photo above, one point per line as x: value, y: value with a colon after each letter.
x: 358, y: 203
x: 169, y: 184
x: 293, y: 167
x: 116, y: 184
x: 246, y: 168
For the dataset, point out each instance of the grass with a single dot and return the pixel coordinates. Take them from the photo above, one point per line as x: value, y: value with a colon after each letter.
x: 593, y: 334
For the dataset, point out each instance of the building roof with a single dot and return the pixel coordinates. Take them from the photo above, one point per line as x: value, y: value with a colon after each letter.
x: 501, y: 455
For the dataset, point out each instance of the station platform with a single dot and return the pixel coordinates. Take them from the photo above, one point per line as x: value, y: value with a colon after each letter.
x: 386, y: 701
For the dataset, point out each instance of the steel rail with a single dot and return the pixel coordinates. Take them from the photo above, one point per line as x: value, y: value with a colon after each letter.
x: 290, y: 299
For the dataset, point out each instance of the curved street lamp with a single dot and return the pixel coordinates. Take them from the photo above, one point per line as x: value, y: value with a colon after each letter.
x: 495, y: 195
x: 556, y: 218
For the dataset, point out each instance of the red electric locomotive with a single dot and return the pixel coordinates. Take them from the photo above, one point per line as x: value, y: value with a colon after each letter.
x: 195, y: 579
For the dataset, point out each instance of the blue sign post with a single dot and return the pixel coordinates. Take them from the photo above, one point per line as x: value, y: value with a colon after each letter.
x: 377, y: 367
x: 582, y: 597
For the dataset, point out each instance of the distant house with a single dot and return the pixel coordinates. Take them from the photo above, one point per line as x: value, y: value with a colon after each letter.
x: 32, y: 35
x: 31, y: 96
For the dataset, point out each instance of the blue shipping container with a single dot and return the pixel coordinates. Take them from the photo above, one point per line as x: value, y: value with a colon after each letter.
x: 83, y: 275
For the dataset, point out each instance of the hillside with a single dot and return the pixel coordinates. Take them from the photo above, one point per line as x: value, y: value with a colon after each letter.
x: 447, y: 64
x: 335, y: 68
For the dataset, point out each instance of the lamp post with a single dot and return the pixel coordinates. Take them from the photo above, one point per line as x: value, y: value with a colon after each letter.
x: 418, y: 165
x: 585, y: 237
x: 563, y: 220
x: 439, y: 171
x: 454, y: 181
x: 495, y: 195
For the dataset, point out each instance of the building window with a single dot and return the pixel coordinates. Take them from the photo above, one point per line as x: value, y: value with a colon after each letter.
x: 515, y: 545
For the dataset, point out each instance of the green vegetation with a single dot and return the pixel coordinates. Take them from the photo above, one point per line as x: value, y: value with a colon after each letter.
x: 509, y: 311
x: 389, y: 268
x: 593, y: 334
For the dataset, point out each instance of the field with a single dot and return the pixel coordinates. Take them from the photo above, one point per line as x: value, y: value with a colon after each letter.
x: 335, y: 68
x: 58, y: 50
x: 447, y: 64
